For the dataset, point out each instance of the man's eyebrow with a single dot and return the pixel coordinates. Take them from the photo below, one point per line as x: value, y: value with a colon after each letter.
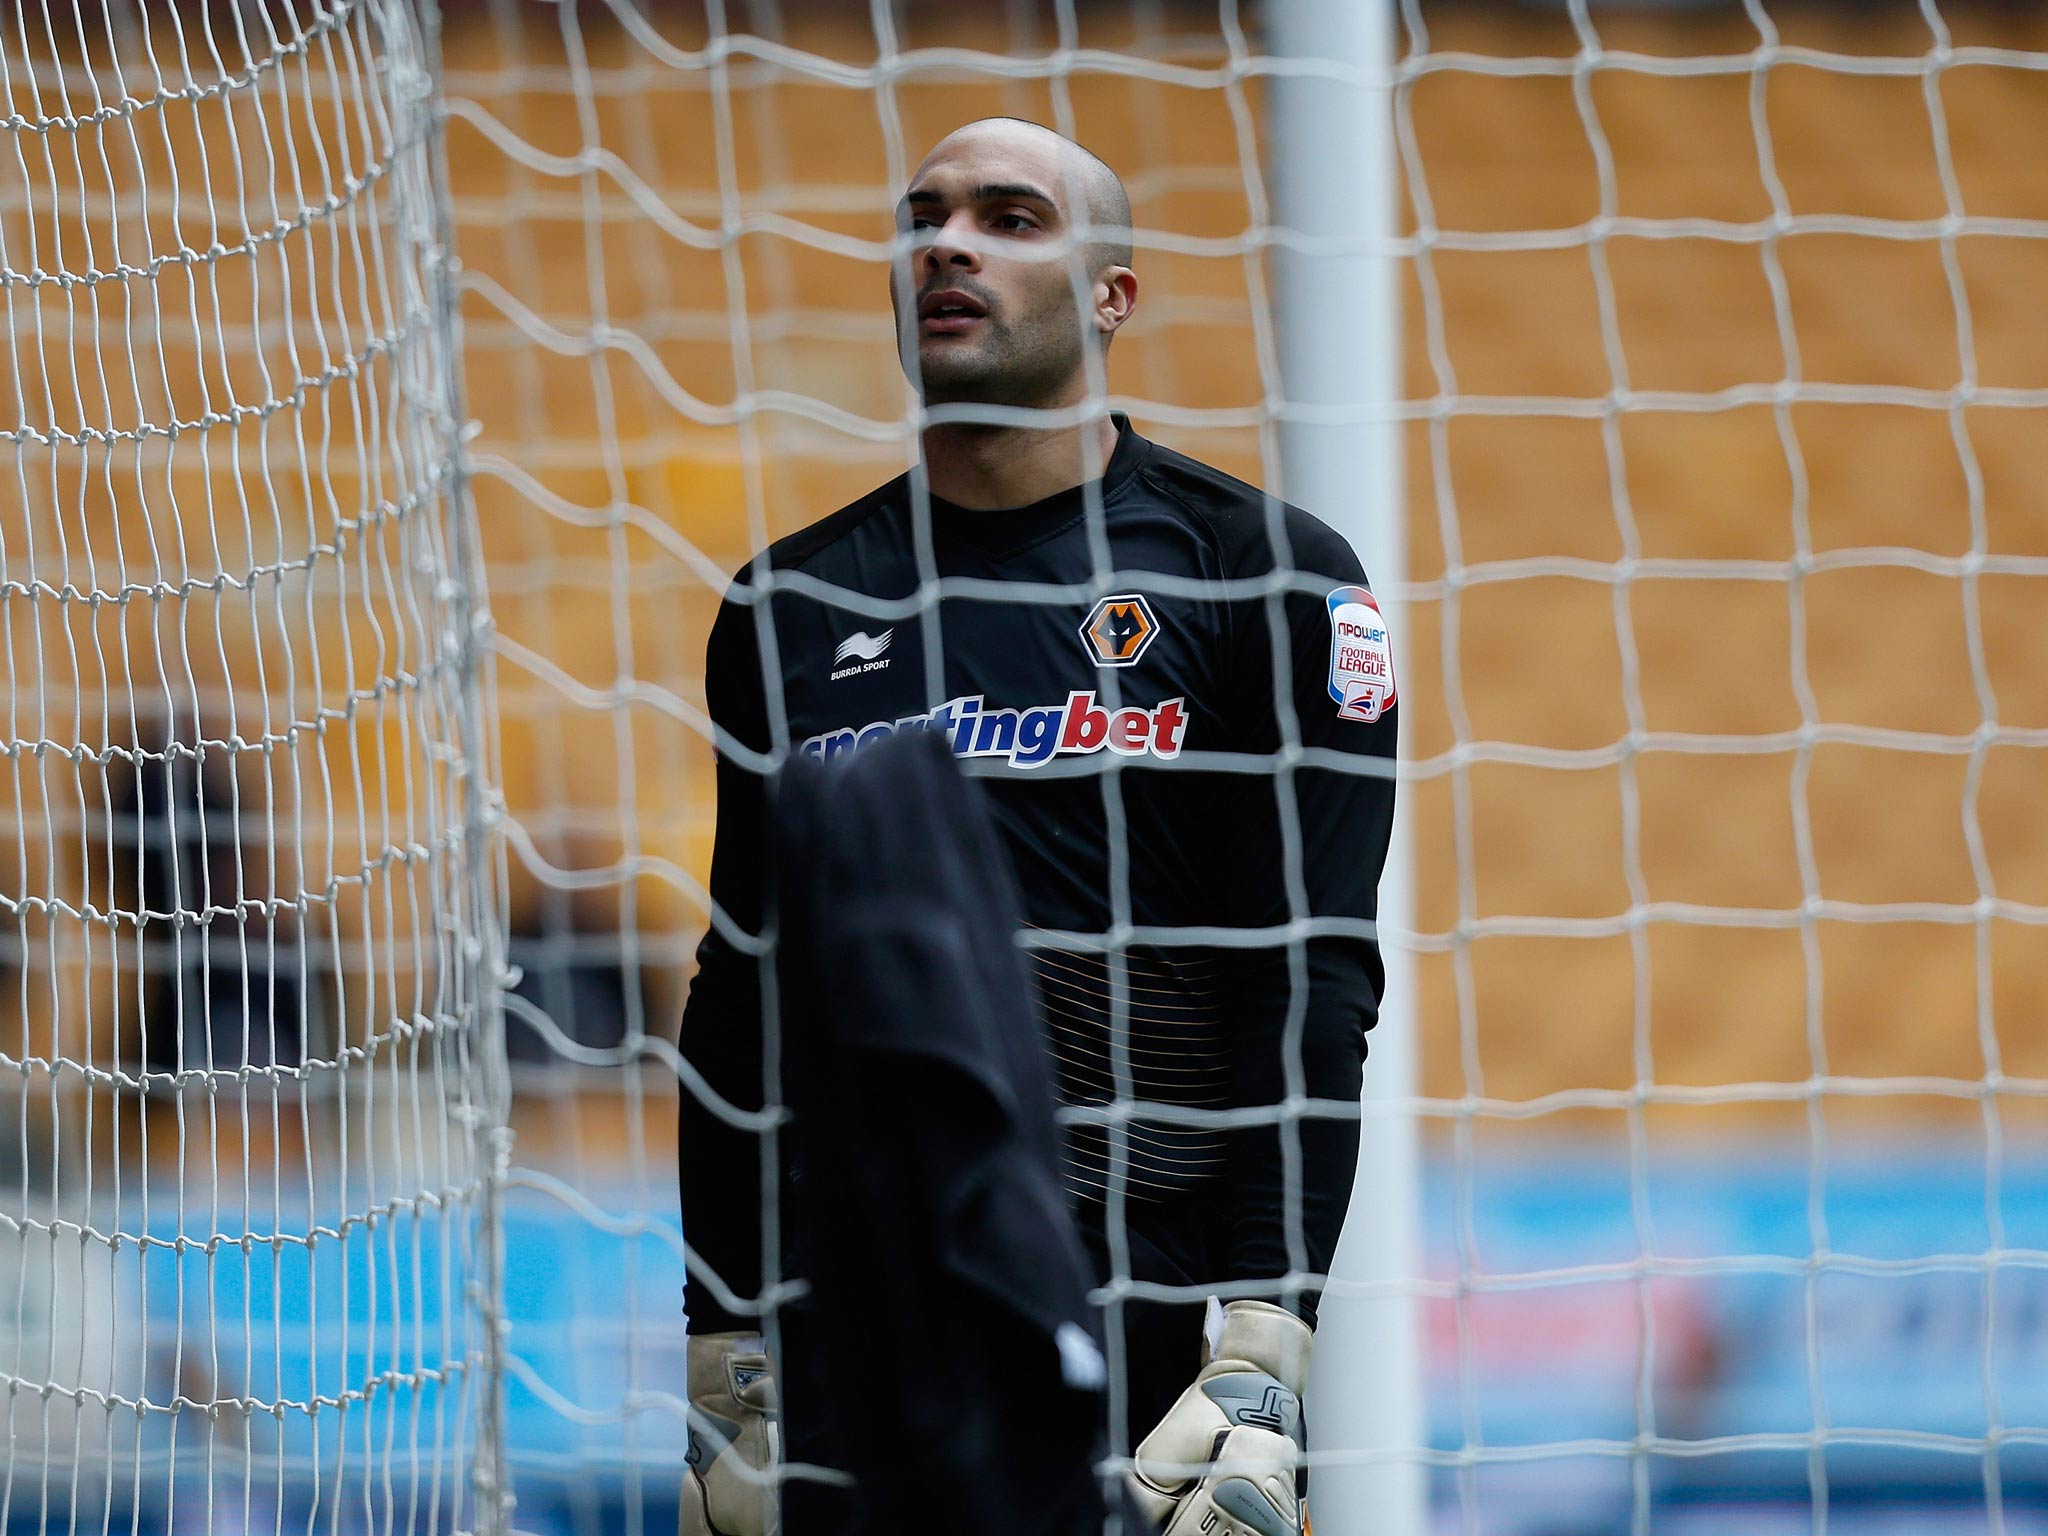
x: 994, y: 191
x: 987, y: 192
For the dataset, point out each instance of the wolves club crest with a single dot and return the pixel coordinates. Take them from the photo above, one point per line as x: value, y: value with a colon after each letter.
x: 1118, y: 629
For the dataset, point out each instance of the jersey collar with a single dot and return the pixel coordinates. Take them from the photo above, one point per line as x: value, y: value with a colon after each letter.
x: 1001, y: 528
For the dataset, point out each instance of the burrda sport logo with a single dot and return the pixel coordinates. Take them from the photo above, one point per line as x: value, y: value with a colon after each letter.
x: 1027, y: 738
x: 861, y: 652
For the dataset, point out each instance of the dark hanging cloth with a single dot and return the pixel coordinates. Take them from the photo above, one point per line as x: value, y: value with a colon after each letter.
x: 945, y: 1357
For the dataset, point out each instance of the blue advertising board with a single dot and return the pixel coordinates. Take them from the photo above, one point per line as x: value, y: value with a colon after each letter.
x: 1723, y: 1332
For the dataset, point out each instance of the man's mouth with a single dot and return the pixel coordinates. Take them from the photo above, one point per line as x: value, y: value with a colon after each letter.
x: 949, y: 312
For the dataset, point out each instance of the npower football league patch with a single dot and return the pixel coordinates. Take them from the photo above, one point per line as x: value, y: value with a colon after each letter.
x: 1361, y: 659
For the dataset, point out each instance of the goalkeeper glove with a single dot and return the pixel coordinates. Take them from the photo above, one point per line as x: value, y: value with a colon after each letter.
x: 1242, y: 1418
x: 734, y: 1438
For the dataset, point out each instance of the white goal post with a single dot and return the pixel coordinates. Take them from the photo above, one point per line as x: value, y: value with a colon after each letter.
x: 1335, y: 179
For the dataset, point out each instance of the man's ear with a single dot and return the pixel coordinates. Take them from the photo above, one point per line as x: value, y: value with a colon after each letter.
x: 1116, y: 295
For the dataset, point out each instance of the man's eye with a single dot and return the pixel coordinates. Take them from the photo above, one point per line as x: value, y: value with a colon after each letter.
x: 1016, y: 221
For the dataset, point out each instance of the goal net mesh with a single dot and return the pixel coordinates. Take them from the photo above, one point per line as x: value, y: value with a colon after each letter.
x: 249, y: 948
x: 1722, y: 707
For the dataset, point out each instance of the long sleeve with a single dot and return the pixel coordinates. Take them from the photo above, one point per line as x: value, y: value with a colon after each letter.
x: 719, y: 1164
x: 1334, y: 650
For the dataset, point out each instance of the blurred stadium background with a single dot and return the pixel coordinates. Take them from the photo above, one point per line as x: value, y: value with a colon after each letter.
x: 1725, y: 697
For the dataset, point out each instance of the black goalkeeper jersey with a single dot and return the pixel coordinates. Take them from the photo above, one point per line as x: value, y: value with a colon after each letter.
x: 1110, y: 721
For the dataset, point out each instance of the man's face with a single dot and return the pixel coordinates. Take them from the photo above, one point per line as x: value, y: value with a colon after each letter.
x: 976, y: 322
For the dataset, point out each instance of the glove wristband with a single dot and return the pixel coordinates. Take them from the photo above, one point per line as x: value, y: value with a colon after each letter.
x: 1263, y: 1337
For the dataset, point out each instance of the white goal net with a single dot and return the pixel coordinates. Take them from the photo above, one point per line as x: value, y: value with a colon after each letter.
x: 249, y: 953
x: 1718, y: 965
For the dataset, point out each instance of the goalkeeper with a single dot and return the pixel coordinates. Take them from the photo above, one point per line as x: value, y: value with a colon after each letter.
x: 1183, y: 651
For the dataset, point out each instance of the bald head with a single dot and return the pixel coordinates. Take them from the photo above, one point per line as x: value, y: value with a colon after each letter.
x: 1080, y: 174
x: 991, y: 301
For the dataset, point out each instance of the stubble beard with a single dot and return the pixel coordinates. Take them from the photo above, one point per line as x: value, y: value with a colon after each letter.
x: 1002, y: 366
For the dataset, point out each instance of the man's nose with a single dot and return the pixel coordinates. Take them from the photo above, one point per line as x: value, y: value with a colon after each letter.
x: 951, y: 246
